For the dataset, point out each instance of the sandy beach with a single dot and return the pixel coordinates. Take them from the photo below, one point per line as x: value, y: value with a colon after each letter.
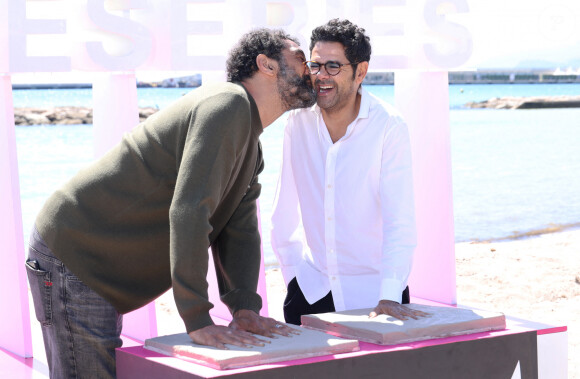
x: 534, y: 278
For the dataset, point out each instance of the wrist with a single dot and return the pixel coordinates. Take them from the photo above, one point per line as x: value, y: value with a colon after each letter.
x: 243, y: 313
x: 385, y: 301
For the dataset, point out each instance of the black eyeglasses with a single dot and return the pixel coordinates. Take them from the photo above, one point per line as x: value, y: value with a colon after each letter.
x: 331, y: 67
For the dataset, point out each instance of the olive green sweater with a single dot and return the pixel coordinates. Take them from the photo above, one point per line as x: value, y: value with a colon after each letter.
x: 140, y: 220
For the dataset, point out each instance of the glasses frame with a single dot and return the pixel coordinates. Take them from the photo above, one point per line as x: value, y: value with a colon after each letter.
x: 340, y: 65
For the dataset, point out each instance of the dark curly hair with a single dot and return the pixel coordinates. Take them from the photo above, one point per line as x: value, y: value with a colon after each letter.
x: 357, y: 45
x: 241, y: 63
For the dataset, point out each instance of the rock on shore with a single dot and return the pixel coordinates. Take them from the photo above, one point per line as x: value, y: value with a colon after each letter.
x: 528, y: 102
x: 63, y: 115
x: 84, y: 115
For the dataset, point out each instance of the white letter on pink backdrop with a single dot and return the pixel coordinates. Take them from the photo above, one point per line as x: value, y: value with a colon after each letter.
x: 125, y: 28
x: 19, y: 28
x: 342, y: 9
x: 384, y: 29
x: 456, y: 47
x: 290, y: 16
x: 181, y: 28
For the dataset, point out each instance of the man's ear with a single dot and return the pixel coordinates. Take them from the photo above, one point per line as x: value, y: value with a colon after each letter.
x: 265, y: 65
x: 361, y: 71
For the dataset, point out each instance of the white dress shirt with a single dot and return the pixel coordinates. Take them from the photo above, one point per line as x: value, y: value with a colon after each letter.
x: 344, y: 218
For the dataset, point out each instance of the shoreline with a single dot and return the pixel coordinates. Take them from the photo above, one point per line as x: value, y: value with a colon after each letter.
x: 514, y: 237
x: 67, y: 115
x: 75, y: 115
x: 529, y: 102
x: 482, y: 76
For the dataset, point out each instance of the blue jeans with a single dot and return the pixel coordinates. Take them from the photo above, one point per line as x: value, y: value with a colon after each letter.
x: 81, y: 330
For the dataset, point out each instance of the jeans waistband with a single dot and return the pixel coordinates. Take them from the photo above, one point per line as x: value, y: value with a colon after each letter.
x: 37, y: 243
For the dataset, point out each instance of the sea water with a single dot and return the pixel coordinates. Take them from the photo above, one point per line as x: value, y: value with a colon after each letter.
x: 515, y: 172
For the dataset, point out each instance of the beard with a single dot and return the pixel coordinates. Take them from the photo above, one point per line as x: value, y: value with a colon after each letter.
x: 295, y: 91
x: 344, y: 91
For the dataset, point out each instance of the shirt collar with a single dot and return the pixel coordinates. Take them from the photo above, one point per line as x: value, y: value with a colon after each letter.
x: 365, y: 103
x: 363, y: 113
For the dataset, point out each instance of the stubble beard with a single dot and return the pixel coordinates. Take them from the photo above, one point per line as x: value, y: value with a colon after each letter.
x: 295, y: 91
x: 335, y: 103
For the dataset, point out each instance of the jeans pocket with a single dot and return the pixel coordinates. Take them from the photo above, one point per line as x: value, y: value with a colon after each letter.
x: 79, y: 293
x: 41, y: 289
x: 90, y: 309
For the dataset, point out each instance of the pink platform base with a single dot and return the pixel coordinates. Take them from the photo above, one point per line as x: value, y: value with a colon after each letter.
x: 445, y: 358
x: 497, y: 354
x: 13, y: 366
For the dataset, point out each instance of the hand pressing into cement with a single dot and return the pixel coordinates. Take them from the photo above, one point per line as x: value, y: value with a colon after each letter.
x: 265, y: 326
x: 218, y: 336
x: 400, y: 311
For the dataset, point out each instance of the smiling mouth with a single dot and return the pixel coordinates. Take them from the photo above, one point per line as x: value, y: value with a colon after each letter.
x: 324, y: 88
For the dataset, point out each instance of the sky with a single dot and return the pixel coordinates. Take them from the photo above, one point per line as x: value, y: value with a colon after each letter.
x: 520, y: 33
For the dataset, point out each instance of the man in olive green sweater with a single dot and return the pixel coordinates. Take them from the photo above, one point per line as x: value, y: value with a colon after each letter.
x: 140, y: 220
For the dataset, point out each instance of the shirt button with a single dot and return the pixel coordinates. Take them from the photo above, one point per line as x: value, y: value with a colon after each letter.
x: 334, y: 278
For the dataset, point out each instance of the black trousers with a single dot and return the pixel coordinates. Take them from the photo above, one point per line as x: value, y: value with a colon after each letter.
x: 296, y: 305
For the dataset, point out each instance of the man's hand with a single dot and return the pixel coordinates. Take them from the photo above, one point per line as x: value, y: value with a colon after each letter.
x: 218, y: 336
x: 239, y: 332
x: 400, y: 311
x: 265, y: 326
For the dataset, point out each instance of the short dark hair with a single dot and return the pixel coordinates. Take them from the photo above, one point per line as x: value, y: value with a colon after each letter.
x: 357, y: 45
x: 241, y: 63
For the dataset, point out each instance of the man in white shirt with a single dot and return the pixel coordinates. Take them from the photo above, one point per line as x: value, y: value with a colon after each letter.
x: 343, y: 220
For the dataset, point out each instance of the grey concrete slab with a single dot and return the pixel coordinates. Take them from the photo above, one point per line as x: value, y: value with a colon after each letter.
x: 387, y: 330
x: 309, y: 343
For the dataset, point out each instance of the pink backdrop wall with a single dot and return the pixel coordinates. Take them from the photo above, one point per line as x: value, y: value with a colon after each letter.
x: 140, y: 35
